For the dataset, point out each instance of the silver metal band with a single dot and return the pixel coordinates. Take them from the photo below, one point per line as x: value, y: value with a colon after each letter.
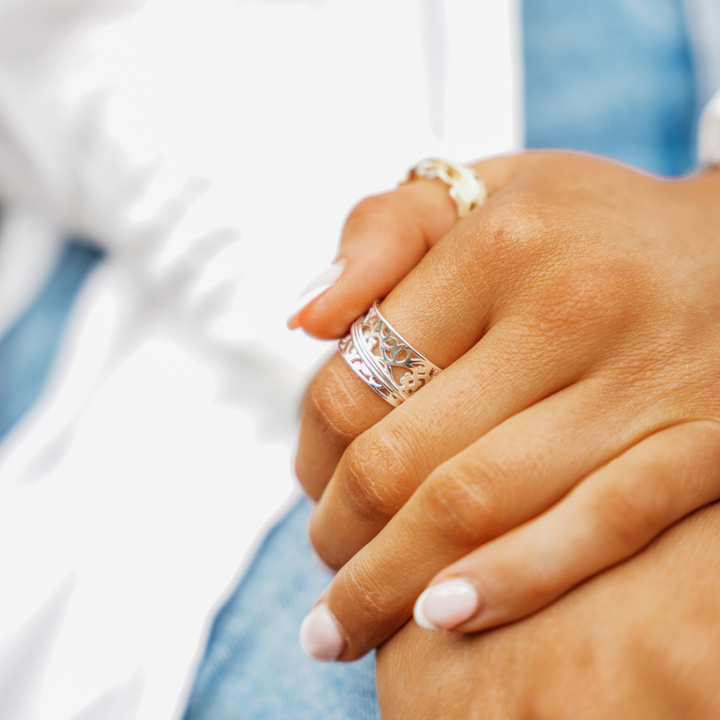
x: 466, y: 189
x: 384, y: 360
x: 361, y: 369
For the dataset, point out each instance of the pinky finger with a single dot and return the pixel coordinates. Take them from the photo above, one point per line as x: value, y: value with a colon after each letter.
x: 608, y: 517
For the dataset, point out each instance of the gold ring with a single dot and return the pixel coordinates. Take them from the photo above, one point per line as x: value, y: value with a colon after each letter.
x: 466, y: 189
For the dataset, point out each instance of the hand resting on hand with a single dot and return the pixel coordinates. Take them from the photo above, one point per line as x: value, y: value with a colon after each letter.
x: 577, y: 318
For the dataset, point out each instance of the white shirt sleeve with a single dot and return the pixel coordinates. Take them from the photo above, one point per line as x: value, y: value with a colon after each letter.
x: 709, y: 133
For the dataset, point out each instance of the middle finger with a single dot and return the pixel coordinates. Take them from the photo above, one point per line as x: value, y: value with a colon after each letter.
x: 442, y: 308
x: 382, y: 468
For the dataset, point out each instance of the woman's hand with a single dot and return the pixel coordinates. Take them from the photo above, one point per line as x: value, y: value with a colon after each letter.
x: 641, y: 641
x: 577, y: 316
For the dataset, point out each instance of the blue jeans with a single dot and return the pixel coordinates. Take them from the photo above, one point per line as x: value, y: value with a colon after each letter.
x: 28, y: 348
x: 254, y: 667
x: 612, y: 77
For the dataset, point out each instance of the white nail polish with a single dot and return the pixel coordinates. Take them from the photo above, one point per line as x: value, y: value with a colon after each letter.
x: 321, y: 637
x: 323, y: 282
x: 443, y: 606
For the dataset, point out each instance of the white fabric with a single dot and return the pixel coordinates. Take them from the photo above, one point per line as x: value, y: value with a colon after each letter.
x: 131, y: 494
x: 703, y: 20
x: 709, y: 134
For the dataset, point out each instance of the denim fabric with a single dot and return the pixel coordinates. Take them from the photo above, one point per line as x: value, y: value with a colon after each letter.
x: 613, y: 77
x: 607, y: 76
x: 28, y: 348
x: 254, y: 667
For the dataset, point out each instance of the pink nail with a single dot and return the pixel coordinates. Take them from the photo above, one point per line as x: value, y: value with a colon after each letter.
x: 320, y: 635
x: 443, y: 606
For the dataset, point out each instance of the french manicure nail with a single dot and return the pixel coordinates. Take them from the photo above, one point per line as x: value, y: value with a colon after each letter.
x: 443, y: 606
x: 323, y: 282
x: 320, y: 635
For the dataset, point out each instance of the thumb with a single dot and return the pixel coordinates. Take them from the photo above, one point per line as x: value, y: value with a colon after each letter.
x: 384, y: 238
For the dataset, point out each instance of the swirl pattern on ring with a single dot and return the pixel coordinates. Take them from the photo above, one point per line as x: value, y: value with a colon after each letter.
x: 383, y: 359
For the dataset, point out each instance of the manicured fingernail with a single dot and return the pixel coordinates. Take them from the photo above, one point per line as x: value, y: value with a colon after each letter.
x: 443, y: 606
x: 320, y: 635
x: 323, y: 282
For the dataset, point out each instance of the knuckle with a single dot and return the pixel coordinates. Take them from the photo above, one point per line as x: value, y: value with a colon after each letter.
x: 514, y: 227
x: 627, y: 525
x: 361, y: 585
x: 368, y: 210
x: 512, y: 242
x: 372, y: 475
x: 373, y: 606
x: 631, y: 518
x: 567, y: 283
x: 545, y: 583
x: 463, y: 505
x: 308, y: 481
x: 324, y: 548
x: 331, y: 408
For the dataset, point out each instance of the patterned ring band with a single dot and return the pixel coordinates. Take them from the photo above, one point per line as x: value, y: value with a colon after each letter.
x: 384, y: 360
x: 466, y: 189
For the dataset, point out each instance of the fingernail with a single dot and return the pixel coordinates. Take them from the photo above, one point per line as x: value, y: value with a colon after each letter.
x: 323, y: 282
x: 443, y: 606
x: 320, y: 635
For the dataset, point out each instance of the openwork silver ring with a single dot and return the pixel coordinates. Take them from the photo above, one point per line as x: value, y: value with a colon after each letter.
x: 384, y: 360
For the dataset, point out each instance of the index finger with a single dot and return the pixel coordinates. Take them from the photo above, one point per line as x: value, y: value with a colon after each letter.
x: 441, y: 308
x: 503, y: 480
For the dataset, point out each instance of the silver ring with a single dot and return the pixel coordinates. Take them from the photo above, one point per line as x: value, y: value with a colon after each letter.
x: 384, y: 360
